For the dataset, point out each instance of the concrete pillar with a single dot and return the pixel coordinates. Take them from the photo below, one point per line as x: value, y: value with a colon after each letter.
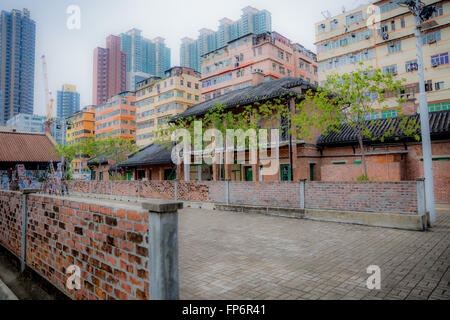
x: 227, y: 171
x: 187, y: 171
x: 23, y: 252
x: 421, y: 202
x: 302, y: 193
x: 163, y: 219
x: 139, y: 189
x: 175, y: 191
x: 227, y: 189
x: 199, y: 173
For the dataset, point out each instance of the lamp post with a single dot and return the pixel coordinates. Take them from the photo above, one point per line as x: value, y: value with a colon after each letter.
x: 416, y: 7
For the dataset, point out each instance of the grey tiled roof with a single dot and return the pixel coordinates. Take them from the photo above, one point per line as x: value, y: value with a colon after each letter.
x: 260, y: 92
x: 151, y: 154
x: 439, y: 129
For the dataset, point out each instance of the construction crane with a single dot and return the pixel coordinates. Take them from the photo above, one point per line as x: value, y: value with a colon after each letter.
x: 48, y: 99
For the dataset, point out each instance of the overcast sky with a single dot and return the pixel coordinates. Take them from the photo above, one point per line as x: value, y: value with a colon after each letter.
x: 70, y: 52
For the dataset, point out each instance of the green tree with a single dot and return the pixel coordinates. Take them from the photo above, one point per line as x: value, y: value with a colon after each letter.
x: 348, y: 99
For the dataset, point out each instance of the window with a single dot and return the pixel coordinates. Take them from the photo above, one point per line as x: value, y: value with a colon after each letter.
x: 189, y: 84
x: 333, y: 24
x: 384, y: 28
x: 301, y: 64
x: 393, y: 25
x: 282, y: 70
x: 411, y: 66
x: 439, y: 85
x: 394, y: 47
x: 354, y: 17
x: 197, y: 98
x: 274, y: 66
x: 196, y: 86
x: 439, y: 106
x: 432, y: 37
x: 390, y: 69
x: 280, y: 54
x: 181, y: 82
x: 180, y: 94
x: 439, y: 59
x: 389, y: 113
x: 259, y: 51
x: 402, y: 23
x: 189, y: 96
x: 429, y: 85
x: 439, y: 11
x: 321, y: 28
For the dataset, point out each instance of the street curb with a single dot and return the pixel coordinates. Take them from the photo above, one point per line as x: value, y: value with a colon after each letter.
x: 6, y: 293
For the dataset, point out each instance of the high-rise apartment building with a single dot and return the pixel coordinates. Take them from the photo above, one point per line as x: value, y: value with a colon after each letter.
x: 17, y: 48
x: 151, y: 57
x: 34, y: 123
x: 110, y: 76
x: 159, y: 99
x: 117, y: 118
x: 270, y: 54
x: 68, y: 101
x: 252, y: 21
x: 347, y: 39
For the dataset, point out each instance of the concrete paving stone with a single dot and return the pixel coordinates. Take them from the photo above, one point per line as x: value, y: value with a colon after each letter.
x: 227, y: 255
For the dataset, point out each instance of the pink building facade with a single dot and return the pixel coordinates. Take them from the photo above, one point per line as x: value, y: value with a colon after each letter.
x: 232, y: 67
x: 109, y: 76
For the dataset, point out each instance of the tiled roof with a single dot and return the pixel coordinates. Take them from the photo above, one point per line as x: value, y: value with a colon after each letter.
x: 246, y: 96
x: 439, y: 129
x: 151, y: 154
x: 26, y: 147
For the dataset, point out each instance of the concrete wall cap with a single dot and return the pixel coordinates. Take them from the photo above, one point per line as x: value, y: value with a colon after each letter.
x: 162, y: 206
x: 29, y: 190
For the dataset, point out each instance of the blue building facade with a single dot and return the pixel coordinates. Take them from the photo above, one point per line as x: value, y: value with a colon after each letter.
x: 17, y: 59
x: 143, y: 55
x: 252, y: 21
x: 68, y: 101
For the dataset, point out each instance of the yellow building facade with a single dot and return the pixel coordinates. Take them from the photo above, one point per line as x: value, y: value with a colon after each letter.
x: 349, y: 38
x: 80, y: 126
x: 158, y: 99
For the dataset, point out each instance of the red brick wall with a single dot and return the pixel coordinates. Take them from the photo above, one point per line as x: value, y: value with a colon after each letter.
x: 108, y: 244
x: 441, y: 169
x: 394, y: 197
x: 11, y: 221
x: 283, y: 194
x: 353, y: 196
x: 157, y: 189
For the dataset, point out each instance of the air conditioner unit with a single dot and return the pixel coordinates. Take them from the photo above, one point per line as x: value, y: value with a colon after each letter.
x: 367, y: 36
x: 391, y: 44
x: 322, y: 25
x: 353, y: 35
x: 325, y: 44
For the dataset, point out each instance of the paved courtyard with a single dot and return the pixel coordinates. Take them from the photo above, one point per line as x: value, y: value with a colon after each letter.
x: 227, y: 255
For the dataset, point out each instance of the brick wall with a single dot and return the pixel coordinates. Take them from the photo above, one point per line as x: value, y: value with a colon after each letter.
x: 109, y: 244
x: 394, y: 197
x: 11, y: 221
x: 280, y: 194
